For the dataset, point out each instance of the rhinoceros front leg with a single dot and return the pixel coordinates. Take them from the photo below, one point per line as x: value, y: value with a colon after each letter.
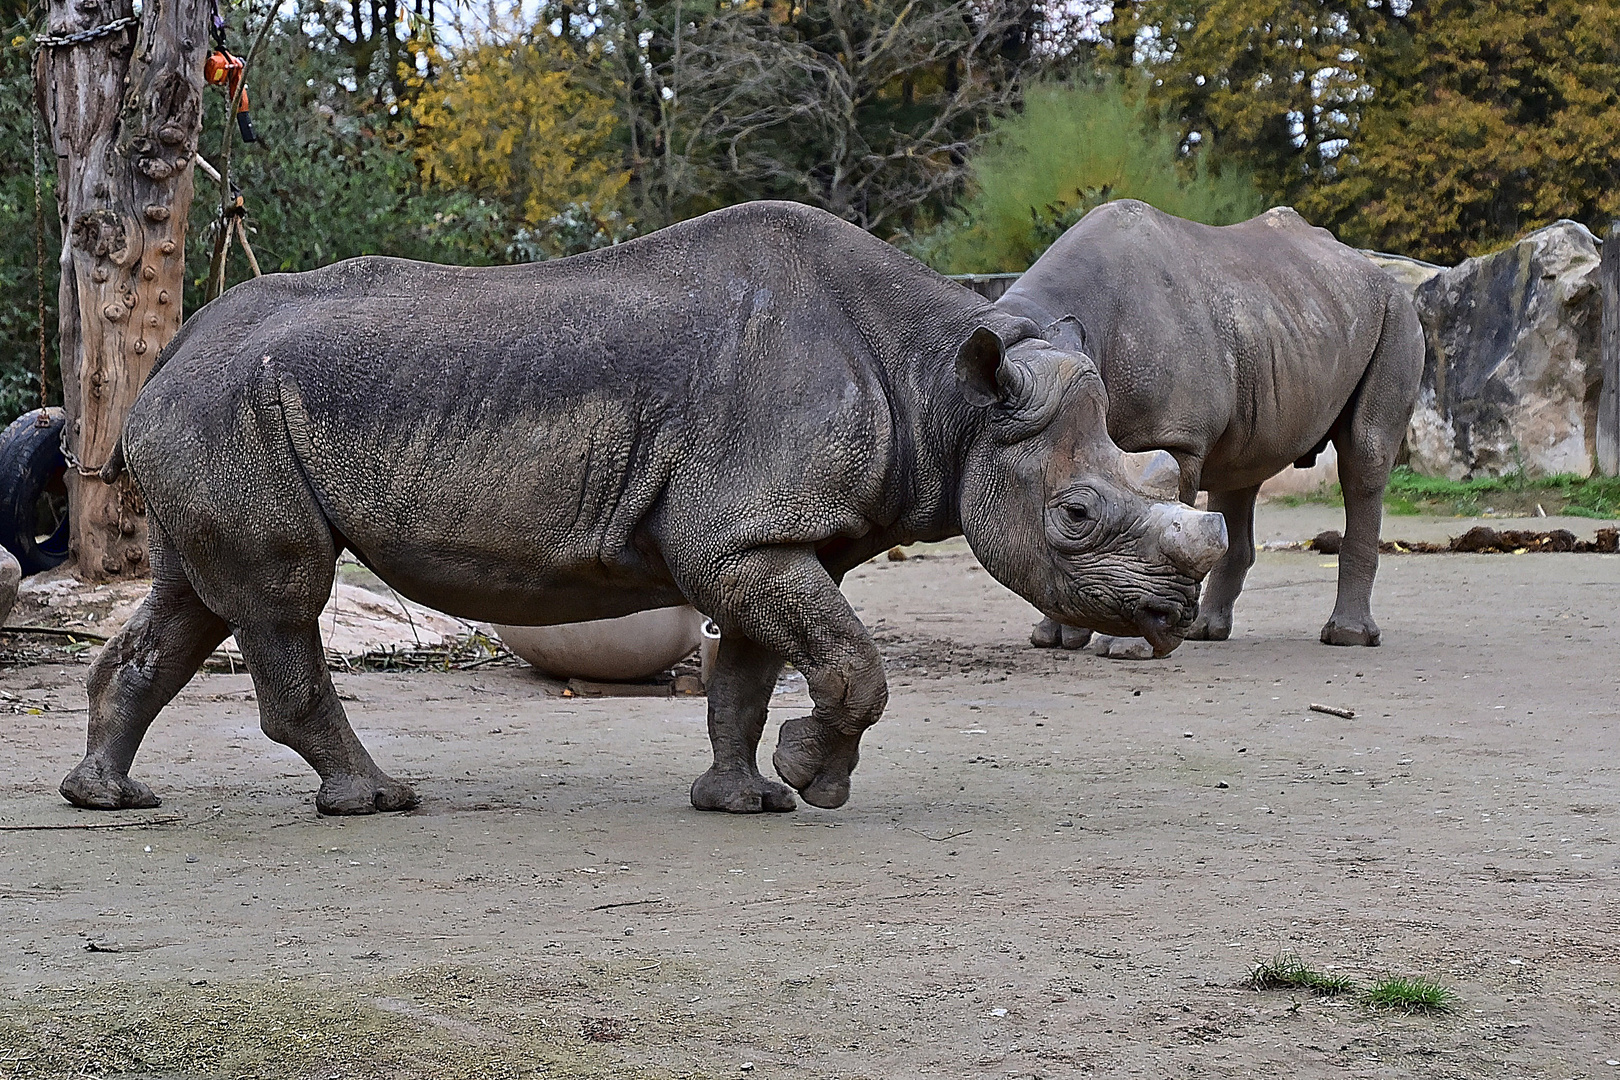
x: 739, y: 693
x: 1214, y: 622
x: 784, y: 600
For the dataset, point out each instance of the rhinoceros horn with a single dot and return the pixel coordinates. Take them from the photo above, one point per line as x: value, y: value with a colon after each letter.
x: 1154, y: 473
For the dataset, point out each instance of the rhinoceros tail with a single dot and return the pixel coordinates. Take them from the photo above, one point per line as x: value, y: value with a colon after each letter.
x: 115, y: 466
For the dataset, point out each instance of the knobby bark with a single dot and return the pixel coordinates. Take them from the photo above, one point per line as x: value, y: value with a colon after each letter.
x: 124, y: 112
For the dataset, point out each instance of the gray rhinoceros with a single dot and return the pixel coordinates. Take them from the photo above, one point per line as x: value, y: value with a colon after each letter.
x: 1241, y: 350
x: 732, y: 412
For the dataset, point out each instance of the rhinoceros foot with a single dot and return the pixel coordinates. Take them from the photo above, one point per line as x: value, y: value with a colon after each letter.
x: 1351, y: 632
x: 349, y: 794
x: 741, y: 793
x: 95, y: 785
x: 1050, y: 634
x: 816, y: 761
x: 1210, y: 627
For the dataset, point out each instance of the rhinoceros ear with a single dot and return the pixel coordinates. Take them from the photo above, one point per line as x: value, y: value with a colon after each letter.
x: 977, y: 362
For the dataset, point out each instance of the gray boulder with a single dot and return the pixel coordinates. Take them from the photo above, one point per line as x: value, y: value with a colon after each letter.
x: 1512, y: 374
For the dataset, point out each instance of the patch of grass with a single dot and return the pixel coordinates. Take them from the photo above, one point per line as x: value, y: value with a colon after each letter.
x: 1412, y: 995
x: 1288, y: 972
x: 468, y: 1025
x: 1409, y: 494
x: 1582, y: 496
x: 1326, y: 495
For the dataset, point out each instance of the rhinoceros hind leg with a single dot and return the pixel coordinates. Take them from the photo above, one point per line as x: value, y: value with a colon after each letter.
x: 1368, y: 436
x: 140, y: 670
x: 298, y: 707
x: 739, y: 692
x: 1225, y: 584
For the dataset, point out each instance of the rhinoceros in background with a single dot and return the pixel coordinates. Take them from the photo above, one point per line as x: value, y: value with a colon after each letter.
x: 732, y: 412
x: 1241, y: 350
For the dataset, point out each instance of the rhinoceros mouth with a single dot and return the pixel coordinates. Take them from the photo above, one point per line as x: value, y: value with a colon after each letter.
x: 1163, y: 624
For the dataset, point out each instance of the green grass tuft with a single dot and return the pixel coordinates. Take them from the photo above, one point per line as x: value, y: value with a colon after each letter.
x: 1581, y: 496
x: 1289, y: 972
x: 1415, y: 995
x: 1409, y: 494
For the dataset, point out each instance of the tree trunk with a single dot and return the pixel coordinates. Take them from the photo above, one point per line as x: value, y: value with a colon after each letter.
x: 124, y: 117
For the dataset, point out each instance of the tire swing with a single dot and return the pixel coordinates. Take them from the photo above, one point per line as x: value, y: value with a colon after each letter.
x: 33, y: 490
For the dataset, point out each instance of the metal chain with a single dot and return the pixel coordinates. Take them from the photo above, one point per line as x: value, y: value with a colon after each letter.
x: 73, y: 461
x: 56, y: 41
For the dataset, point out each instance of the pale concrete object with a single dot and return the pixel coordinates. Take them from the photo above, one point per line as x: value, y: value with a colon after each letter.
x: 10, y: 580
x: 626, y: 649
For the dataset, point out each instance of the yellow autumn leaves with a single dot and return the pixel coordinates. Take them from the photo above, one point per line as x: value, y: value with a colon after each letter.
x: 520, y: 119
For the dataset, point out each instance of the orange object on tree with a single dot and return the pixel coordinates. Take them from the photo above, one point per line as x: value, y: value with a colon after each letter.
x: 224, y: 69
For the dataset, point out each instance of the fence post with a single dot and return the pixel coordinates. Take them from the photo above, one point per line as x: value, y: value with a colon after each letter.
x: 1608, y: 418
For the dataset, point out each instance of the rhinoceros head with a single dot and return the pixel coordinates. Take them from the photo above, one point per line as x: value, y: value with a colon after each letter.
x: 1091, y: 535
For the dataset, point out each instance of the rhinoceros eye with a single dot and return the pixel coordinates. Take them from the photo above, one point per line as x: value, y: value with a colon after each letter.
x: 1076, y: 514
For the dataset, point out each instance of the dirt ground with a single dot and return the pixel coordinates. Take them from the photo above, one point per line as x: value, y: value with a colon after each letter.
x: 1052, y: 865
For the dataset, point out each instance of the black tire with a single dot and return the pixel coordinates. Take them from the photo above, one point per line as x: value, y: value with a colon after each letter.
x: 33, y: 491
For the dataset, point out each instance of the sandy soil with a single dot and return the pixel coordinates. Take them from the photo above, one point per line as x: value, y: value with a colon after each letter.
x: 1052, y: 865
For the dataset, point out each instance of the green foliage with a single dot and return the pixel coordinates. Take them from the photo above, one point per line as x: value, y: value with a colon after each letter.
x: 523, y: 120
x: 1412, y: 995
x: 334, y: 175
x: 1288, y: 972
x: 1277, y: 84
x: 19, y: 321
x: 1410, y: 494
x: 1074, y: 146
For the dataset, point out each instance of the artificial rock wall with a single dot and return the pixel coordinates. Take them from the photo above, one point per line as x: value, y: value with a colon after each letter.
x: 1514, y: 369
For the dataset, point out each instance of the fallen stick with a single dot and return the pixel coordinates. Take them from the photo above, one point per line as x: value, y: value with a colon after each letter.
x: 630, y: 903
x: 1334, y: 710
x: 170, y: 820
x: 55, y: 631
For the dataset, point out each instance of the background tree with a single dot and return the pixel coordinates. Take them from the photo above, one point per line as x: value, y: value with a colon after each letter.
x: 1073, y: 147
x: 524, y: 120
x: 867, y: 108
x: 1276, y: 84
x: 19, y: 312
x: 1494, y: 118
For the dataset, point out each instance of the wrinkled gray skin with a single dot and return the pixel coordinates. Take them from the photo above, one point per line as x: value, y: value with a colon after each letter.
x: 730, y: 413
x: 1241, y: 350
